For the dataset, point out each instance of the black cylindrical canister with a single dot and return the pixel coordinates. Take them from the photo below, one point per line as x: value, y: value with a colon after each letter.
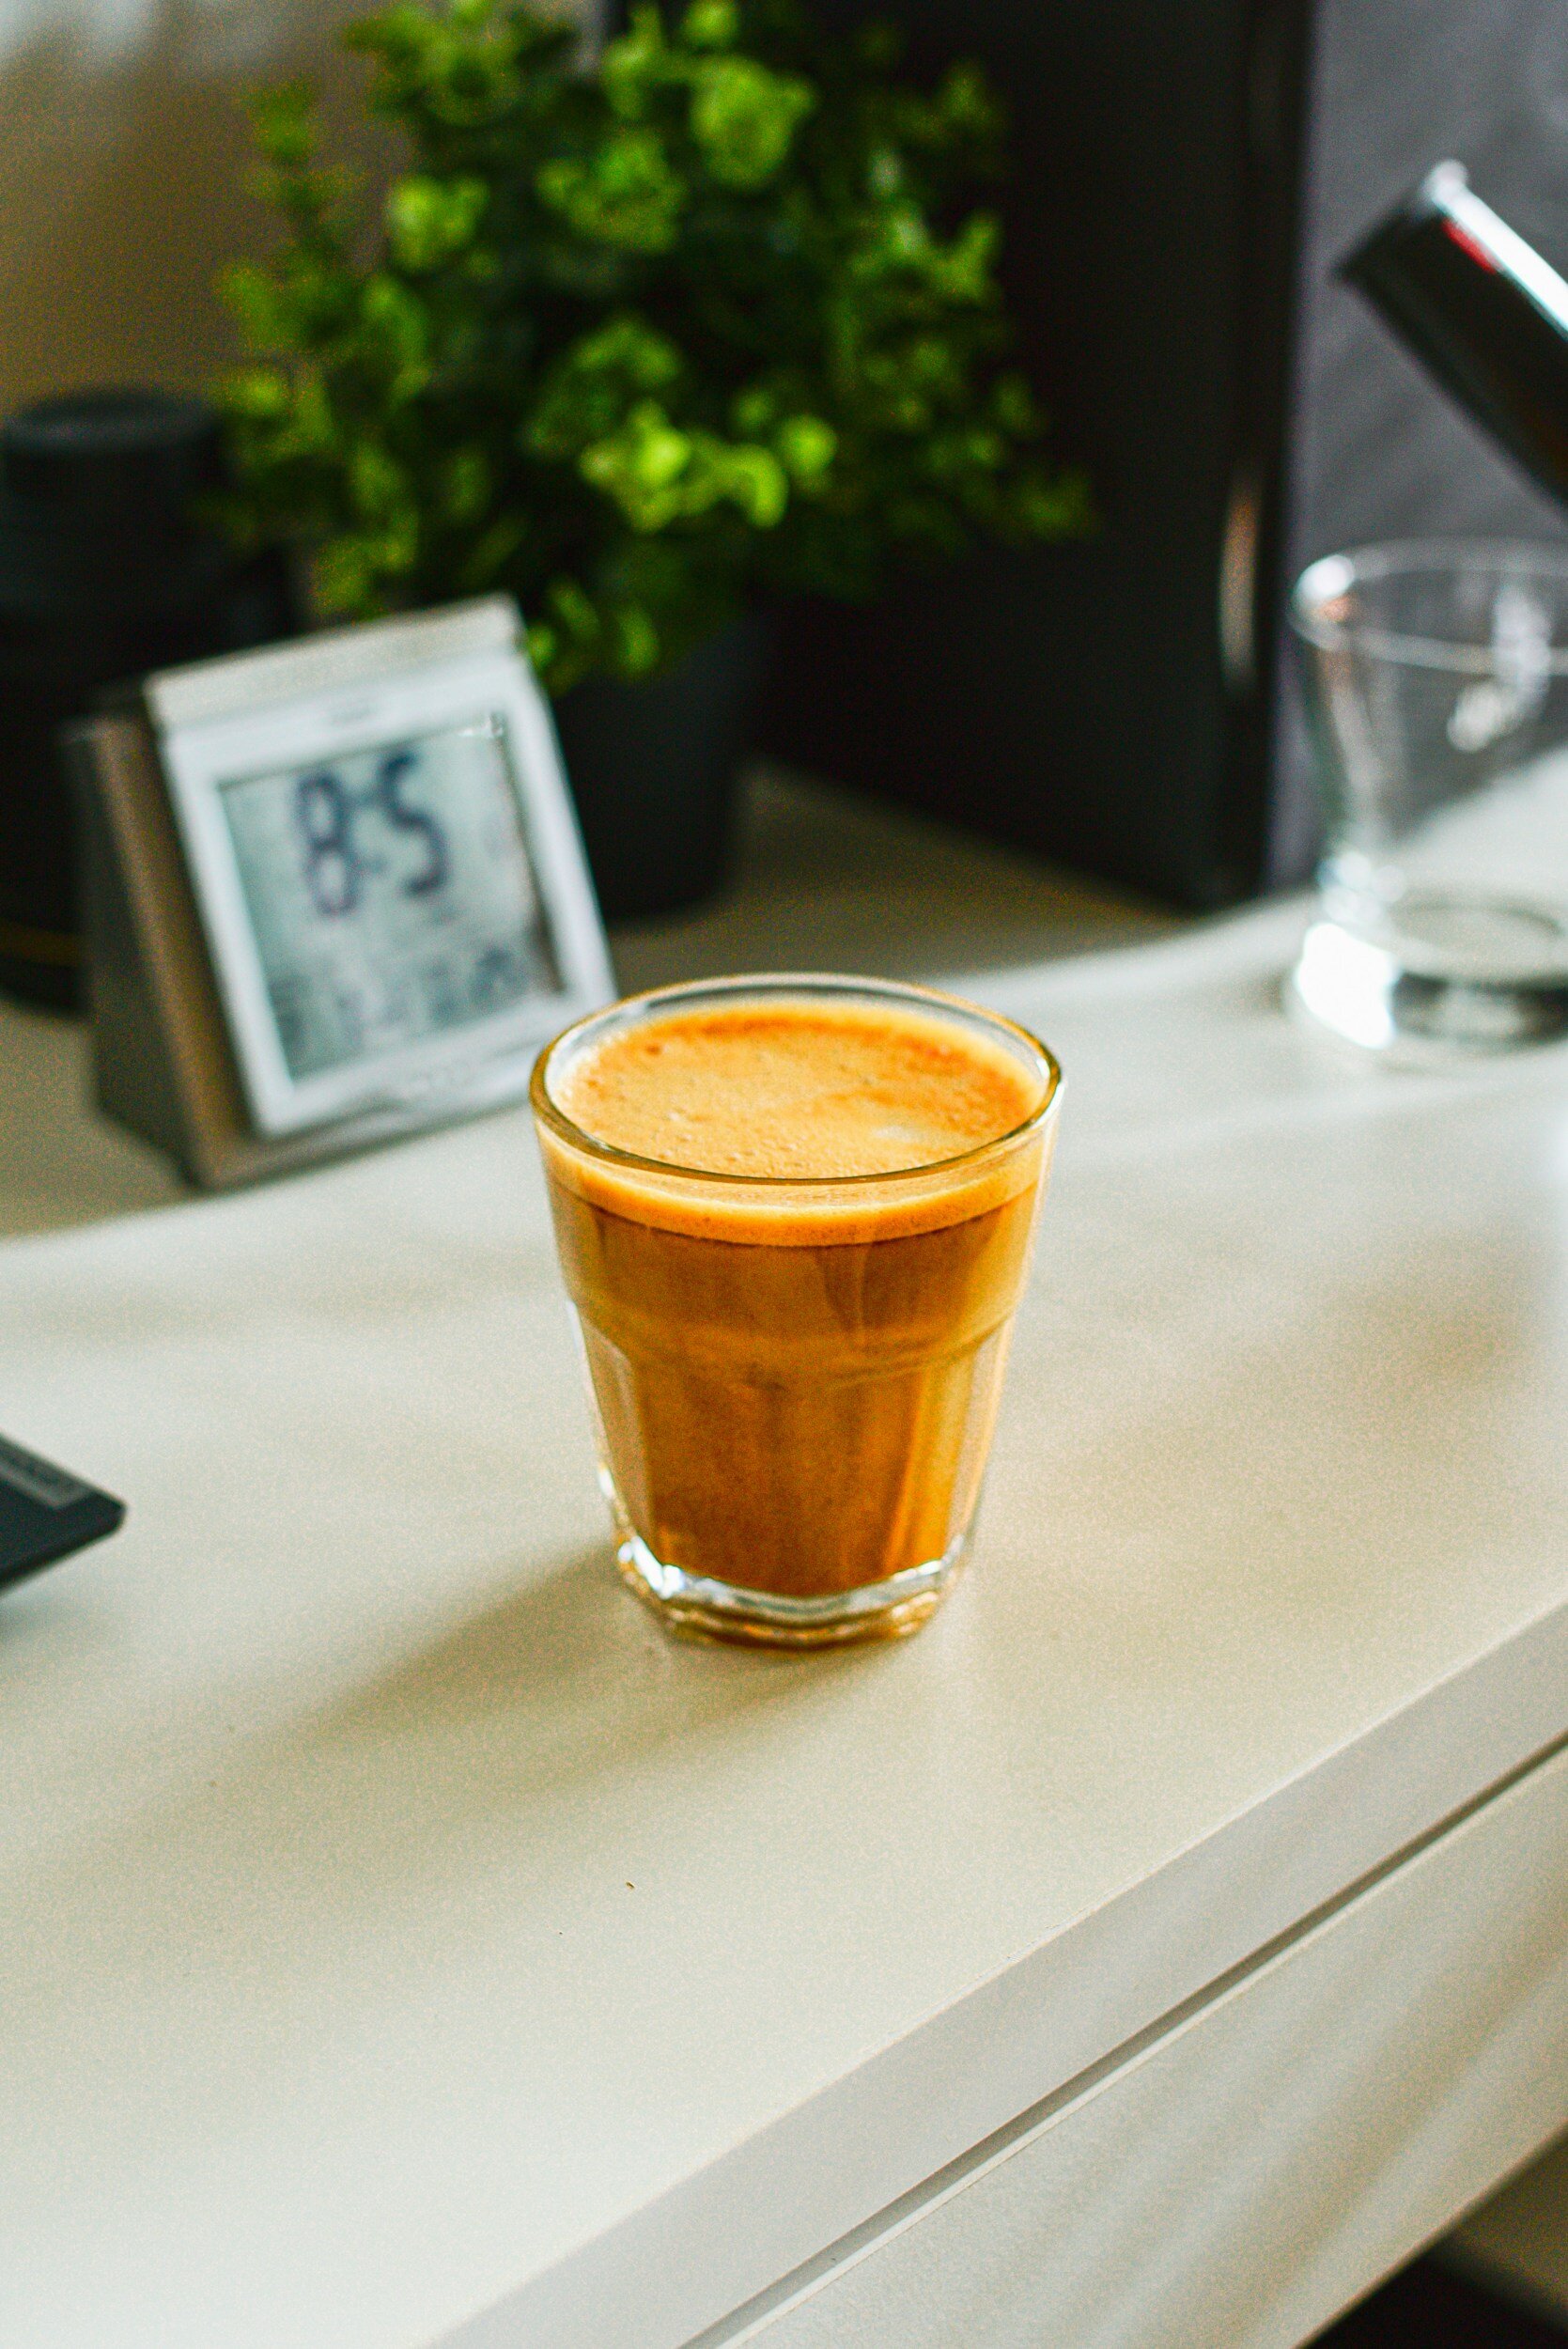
x: 108, y: 567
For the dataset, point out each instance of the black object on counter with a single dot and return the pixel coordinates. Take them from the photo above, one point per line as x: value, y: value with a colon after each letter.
x: 107, y: 569
x: 1483, y: 311
x: 45, y: 1513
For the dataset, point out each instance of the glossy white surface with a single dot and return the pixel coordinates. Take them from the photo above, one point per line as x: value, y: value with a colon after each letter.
x: 1246, y: 2175
x: 400, y: 1941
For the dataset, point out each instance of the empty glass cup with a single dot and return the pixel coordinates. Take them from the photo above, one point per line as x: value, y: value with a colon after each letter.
x: 1437, y: 679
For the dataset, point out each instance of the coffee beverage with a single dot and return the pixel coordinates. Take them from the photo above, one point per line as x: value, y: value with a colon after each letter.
x: 795, y: 1220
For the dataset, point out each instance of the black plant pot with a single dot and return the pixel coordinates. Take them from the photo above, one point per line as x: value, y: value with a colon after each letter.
x: 653, y: 771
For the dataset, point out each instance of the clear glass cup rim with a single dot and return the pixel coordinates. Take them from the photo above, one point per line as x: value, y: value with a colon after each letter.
x: 1334, y: 575
x: 652, y: 1000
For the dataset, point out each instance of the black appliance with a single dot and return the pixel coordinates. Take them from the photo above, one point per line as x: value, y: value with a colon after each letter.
x: 1484, y: 312
x: 1187, y: 174
x: 107, y: 569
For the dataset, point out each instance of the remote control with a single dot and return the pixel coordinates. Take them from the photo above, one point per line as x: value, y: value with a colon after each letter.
x: 45, y: 1512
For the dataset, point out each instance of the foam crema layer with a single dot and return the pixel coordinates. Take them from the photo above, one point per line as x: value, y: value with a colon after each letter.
x: 789, y: 1119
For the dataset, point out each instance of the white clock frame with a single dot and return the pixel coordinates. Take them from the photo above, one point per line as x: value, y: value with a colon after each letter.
x: 354, y: 689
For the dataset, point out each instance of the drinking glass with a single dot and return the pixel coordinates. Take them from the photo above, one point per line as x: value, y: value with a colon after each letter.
x: 794, y: 1381
x: 1436, y: 678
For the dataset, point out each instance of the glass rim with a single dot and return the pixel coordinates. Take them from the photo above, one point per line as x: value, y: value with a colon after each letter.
x: 1336, y: 574
x: 565, y: 1130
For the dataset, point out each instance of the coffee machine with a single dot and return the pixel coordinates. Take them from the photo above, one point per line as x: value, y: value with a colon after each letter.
x: 1186, y: 178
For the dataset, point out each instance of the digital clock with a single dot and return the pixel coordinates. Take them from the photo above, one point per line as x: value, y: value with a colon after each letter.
x: 378, y: 868
x: 391, y: 899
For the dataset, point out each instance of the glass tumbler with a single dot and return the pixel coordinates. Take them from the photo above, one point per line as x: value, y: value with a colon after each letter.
x: 1437, y: 685
x: 794, y: 1380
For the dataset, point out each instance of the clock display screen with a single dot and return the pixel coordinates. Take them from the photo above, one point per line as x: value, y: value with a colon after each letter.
x: 390, y: 893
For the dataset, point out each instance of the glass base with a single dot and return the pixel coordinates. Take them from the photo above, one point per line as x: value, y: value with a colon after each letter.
x: 1447, y: 978
x: 701, y: 1608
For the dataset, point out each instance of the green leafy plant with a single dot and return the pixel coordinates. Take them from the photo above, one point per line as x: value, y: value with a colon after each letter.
x: 641, y: 341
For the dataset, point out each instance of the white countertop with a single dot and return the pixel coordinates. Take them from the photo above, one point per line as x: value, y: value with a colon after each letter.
x: 402, y: 1941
